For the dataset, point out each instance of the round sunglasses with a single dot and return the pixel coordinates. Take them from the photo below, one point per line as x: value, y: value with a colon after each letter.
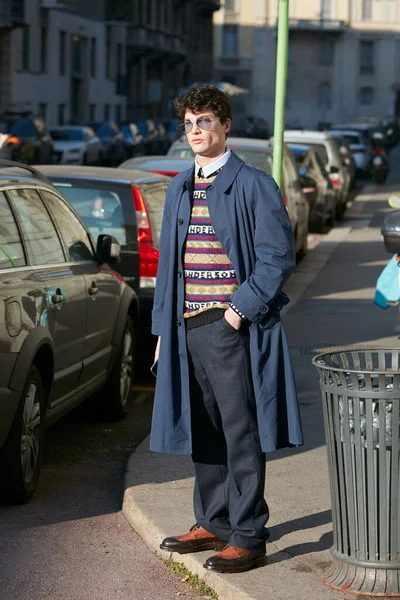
x: 202, y: 122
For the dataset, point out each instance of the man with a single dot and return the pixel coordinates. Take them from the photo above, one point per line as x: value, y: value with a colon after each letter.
x: 225, y: 389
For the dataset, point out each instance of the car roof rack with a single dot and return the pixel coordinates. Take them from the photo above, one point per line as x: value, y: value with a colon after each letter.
x: 37, y: 174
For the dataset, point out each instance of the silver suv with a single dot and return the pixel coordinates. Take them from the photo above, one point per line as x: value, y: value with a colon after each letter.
x: 67, y: 323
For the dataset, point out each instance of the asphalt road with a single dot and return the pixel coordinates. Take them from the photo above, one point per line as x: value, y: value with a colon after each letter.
x: 71, y: 541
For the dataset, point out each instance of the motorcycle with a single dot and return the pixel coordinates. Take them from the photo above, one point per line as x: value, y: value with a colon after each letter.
x: 380, y: 160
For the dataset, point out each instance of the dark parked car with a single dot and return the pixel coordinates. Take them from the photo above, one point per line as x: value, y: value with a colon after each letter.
x: 128, y: 204
x: 317, y: 187
x: 133, y: 139
x: 31, y: 143
x: 163, y: 165
x: 151, y: 136
x: 115, y: 148
x: 67, y: 323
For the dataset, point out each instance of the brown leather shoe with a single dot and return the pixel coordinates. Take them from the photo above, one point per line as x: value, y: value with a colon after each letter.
x: 235, y: 560
x: 196, y: 540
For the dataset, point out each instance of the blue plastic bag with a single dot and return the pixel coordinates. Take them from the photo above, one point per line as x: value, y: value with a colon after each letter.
x: 387, y: 286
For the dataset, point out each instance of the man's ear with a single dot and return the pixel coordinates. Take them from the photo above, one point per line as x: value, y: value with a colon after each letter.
x: 227, y: 126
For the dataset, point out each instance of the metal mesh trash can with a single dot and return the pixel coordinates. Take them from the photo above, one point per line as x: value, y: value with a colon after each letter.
x: 361, y: 401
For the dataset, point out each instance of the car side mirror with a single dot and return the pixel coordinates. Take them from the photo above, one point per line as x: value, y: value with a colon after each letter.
x: 108, y: 249
x: 334, y: 170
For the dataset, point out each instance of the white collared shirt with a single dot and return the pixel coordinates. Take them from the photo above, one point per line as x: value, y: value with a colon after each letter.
x: 215, y: 165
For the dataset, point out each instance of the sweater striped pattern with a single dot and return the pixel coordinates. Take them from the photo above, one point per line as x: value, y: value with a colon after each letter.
x: 210, y: 277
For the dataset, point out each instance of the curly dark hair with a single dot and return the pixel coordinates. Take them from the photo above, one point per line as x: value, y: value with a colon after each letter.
x: 201, y: 98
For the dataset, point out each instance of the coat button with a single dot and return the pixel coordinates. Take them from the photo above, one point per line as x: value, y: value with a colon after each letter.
x: 180, y: 221
x: 178, y: 323
x: 263, y: 308
x: 179, y: 274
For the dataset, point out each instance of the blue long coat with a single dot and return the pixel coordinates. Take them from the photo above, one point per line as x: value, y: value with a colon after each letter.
x: 251, y: 222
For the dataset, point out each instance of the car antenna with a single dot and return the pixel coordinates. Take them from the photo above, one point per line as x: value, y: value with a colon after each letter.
x: 37, y: 174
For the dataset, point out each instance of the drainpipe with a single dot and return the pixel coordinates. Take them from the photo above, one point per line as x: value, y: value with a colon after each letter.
x: 280, y: 88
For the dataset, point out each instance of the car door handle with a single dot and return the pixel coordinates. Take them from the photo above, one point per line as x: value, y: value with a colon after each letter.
x: 93, y: 290
x: 58, y: 297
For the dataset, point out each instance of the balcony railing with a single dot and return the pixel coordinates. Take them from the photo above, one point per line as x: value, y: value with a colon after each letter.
x: 11, y: 13
x: 208, y: 6
x: 60, y: 4
x: 142, y: 41
x: 317, y: 25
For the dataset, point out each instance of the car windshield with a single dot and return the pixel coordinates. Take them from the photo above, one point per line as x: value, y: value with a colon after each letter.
x: 256, y: 158
x: 318, y: 149
x: 99, y: 209
x: 67, y: 135
x: 154, y: 197
x: 23, y: 129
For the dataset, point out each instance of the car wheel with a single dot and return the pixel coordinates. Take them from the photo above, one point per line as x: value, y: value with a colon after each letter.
x: 20, y: 457
x: 115, y: 395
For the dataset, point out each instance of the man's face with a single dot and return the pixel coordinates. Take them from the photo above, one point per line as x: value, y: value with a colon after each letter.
x: 207, y: 142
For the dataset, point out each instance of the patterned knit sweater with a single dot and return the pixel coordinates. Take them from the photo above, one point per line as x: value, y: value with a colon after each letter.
x: 210, y: 277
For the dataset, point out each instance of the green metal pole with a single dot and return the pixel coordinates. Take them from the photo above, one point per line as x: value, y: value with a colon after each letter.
x: 280, y: 88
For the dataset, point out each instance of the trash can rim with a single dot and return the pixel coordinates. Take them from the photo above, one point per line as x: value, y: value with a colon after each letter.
x: 326, y: 367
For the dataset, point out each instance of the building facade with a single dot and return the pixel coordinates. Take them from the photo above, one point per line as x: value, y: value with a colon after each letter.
x: 68, y: 62
x: 95, y: 60
x: 170, y: 46
x: 344, y: 57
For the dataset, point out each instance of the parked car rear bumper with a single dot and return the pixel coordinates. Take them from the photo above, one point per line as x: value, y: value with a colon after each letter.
x: 8, y: 398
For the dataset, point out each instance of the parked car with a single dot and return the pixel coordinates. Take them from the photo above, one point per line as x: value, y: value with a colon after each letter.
x: 67, y: 323
x: 128, y: 204
x: 346, y: 155
x: 77, y: 145
x: 259, y: 154
x: 133, y: 139
x: 251, y: 127
x: 322, y: 143
x: 115, y: 149
x: 151, y: 136
x: 317, y: 187
x: 31, y: 142
x: 360, y: 144
x: 163, y: 165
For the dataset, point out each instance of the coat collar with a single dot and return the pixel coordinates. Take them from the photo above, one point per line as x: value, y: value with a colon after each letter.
x: 224, y: 179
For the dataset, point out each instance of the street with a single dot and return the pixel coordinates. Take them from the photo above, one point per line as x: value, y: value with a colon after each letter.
x: 71, y: 541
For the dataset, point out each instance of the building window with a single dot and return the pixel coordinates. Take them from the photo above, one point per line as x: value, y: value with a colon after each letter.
x: 108, y: 52
x: 230, y: 40
x: 366, y: 9
x: 76, y: 55
x: 325, y: 95
x: 149, y: 12
x: 326, y: 10
x: 93, y: 58
x: 61, y: 114
x: 366, y: 96
x: 25, y: 48
x: 326, y: 52
x: 92, y: 112
x: 119, y: 60
x: 107, y: 111
x: 367, y: 50
x: 43, y: 111
x: 63, y: 52
x: 118, y: 113
x: 43, y: 50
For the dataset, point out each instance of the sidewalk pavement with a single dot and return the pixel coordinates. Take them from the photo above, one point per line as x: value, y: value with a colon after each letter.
x: 332, y: 294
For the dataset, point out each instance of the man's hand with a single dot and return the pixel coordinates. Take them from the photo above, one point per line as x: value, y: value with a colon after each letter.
x: 157, y: 352
x: 233, y: 319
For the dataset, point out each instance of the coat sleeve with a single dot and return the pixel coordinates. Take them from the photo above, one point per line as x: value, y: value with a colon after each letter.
x: 162, y: 270
x: 274, y: 250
